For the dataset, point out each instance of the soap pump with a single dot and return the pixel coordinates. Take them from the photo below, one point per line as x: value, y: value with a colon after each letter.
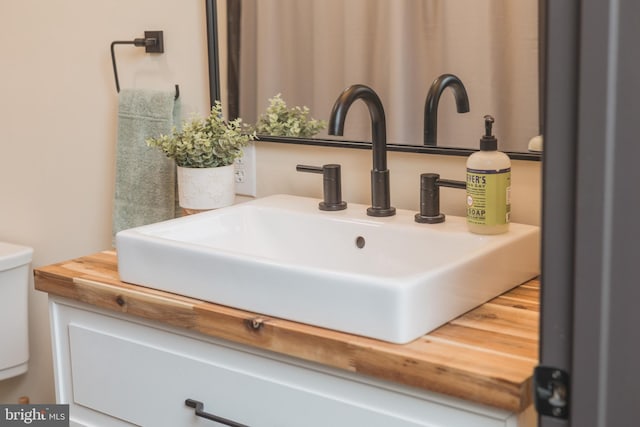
x: 488, y: 186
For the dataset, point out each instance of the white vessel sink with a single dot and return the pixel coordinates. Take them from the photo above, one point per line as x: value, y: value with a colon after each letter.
x: 281, y: 256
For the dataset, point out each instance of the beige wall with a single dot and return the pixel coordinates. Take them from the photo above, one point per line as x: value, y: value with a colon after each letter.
x: 58, y: 116
x: 277, y: 174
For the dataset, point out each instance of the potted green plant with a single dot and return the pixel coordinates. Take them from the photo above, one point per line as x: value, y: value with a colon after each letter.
x: 279, y: 120
x: 204, y: 151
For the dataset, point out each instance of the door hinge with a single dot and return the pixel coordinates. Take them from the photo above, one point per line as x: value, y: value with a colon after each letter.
x: 551, y: 390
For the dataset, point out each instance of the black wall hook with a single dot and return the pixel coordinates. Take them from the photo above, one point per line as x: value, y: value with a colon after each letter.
x: 153, y: 42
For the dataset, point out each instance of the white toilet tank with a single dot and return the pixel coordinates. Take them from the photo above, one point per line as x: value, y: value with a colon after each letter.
x: 14, y: 294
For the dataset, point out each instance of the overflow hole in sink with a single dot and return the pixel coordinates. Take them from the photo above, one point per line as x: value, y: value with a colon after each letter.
x: 360, y: 242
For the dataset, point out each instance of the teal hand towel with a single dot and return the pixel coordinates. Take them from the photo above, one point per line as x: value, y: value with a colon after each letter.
x: 145, y: 179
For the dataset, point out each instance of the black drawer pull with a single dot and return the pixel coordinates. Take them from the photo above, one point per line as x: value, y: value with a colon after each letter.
x: 199, y: 406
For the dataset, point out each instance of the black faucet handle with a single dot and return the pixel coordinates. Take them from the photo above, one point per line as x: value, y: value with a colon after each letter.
x: 430, y: 184
x: 331, y: 183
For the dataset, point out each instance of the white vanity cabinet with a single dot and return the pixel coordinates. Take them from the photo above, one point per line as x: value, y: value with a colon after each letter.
x: 120, y: 370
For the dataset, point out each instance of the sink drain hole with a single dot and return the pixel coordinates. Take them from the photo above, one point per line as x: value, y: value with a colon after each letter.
x: 360, y: 242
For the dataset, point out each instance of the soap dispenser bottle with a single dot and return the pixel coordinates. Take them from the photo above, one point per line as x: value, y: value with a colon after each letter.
x: 488, y: 186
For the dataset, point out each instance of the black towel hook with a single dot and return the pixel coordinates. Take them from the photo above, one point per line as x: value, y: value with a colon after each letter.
x: 153, y: 42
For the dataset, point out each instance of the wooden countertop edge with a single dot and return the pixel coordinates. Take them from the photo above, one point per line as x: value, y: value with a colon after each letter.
x: 396, y: 363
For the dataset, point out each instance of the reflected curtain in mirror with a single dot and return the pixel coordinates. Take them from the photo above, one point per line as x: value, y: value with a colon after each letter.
x: 309, y: 51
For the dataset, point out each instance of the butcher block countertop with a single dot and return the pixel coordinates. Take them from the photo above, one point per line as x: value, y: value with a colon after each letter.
x: 486, y: 355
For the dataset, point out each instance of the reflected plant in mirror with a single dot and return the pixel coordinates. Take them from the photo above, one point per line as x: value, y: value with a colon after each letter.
x: 280, y: 120
x: 311, y: 50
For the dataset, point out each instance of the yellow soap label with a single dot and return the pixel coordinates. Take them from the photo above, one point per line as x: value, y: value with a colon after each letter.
x: 488, y: 196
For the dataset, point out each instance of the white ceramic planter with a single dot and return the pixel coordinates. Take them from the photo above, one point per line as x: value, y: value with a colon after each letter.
x: 206, y: 188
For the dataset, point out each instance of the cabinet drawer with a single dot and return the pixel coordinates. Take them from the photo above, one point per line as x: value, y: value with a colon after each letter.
x: 141, y: 375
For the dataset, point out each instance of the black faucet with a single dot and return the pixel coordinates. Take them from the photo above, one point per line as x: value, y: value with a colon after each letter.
x: 433, y: 98
x: 380, y: 198
x: 331, y: 184
x: 430, y: 184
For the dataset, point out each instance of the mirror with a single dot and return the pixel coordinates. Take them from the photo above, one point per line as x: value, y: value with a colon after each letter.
x: 310, y: 50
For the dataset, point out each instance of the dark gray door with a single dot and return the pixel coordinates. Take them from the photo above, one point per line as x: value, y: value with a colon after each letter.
x: 590, y: 326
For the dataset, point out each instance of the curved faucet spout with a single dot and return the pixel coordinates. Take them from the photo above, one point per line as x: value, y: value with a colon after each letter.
x: 433, y: 99
x: 380, y: 197
x: 378, y: 121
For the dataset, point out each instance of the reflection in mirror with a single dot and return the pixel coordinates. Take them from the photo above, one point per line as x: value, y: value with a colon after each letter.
x: 310, y: 50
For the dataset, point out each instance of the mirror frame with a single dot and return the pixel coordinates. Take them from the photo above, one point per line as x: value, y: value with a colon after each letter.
x: 215, y: 94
